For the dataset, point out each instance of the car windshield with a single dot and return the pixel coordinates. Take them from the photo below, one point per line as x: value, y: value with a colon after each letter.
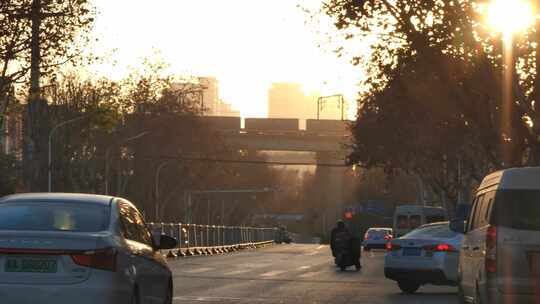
x: 518, y: 209
x: 435, y: 231
x: 51, y: 216
x: 378, y: 232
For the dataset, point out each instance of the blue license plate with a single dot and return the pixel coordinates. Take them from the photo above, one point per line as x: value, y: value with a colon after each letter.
x: 412, y: 251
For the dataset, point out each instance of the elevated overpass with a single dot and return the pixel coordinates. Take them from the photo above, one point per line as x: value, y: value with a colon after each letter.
x: 328, y: 139
x: 320, y: 136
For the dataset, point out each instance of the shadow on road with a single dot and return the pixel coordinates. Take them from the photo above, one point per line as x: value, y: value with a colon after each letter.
x: 421, y: 294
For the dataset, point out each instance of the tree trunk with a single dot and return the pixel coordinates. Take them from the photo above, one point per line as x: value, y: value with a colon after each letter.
x: 36, y: 122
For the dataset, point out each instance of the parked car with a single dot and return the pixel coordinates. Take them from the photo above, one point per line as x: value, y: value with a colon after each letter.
x: 376, y: 238
x: 427, y: 255
x: 500, y: 257
x: 410, y: 217
x: 79, y: 248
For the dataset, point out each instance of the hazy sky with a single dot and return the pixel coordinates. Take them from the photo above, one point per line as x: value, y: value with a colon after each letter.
x: 247, y: 44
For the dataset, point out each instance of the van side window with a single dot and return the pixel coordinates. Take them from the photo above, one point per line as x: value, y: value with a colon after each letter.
x: 474, y: 220
x: 488, y: 206
x: 478, y: 213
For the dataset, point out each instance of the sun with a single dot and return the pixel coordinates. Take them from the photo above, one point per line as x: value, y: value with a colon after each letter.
x: 510, y: 17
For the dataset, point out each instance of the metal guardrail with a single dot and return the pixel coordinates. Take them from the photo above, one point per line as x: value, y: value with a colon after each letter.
x: 210, y: 239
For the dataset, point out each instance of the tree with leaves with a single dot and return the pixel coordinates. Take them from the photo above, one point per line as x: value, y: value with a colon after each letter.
x: 36, y: 37
x: 433, y: 104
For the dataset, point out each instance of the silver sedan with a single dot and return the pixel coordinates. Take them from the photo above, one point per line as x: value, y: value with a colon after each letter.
x: 426, y: 255
x: 77, y: 248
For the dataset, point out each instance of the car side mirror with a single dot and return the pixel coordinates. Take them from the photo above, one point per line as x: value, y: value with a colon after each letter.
x: 166, y: 242
x: 458, y: 225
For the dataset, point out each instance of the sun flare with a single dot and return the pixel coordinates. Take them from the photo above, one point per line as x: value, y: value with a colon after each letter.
x: 510, y: 16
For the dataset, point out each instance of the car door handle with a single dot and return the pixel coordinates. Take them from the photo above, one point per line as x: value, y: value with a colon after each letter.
x: 465, y: 247
x: 476, y: 248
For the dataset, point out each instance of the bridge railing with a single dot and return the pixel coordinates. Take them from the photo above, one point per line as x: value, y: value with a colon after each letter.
x: 211, y: 239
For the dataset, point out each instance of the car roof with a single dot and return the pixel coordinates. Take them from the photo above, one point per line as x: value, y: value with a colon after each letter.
x: 58, y: 197
x: 435, y: 224
x: 418, y: 208
x: 379, y: 228
x: 514, y: 178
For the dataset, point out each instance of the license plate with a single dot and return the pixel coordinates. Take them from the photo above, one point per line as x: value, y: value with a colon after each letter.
x: 412, y: 251
x: 31, y: 265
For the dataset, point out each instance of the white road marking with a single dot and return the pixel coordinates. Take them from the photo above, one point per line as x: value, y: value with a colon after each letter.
x: 198, y: 270
x: 254, y: 265
x: 308, y: 274
x: 237, y: 272
x: 303, y: 268
x: 273, y: 273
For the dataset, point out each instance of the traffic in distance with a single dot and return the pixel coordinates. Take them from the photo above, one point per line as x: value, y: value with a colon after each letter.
x: 86, y: 248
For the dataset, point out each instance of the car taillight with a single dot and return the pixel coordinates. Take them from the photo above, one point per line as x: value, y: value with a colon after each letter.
x: 366, y: 236
x: 104, y: 259
x: 491, y: 249
x: 388, y: 237
x: 392, y: 247
x: 440, y: 248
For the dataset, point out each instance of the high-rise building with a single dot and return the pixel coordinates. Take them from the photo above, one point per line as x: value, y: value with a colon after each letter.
x: 210, y: 95
x: 226, y: 109
x: 288, y: 100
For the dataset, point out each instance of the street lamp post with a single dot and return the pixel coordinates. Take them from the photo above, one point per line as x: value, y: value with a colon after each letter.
x: 51, y: 133
x: 107, y: 156
x: 156, y: 184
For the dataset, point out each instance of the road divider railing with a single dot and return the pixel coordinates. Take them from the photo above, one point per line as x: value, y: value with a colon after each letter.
x: 197, y: 240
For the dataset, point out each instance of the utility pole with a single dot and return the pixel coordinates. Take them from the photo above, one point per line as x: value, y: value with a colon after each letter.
x: 321, y: 101
x: 35, y: 64
x: 35, y: 152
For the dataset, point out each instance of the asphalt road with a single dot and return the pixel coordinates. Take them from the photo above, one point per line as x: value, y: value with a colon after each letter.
x: 291, y: 274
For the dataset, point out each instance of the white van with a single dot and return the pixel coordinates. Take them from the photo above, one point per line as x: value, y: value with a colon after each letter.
x: 410, y: 217
x: 500, y: 253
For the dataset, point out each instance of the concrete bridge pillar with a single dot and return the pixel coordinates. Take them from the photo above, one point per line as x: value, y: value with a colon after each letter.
x: 331, y: 192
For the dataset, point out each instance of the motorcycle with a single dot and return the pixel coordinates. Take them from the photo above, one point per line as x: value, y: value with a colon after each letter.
x: 345, y: 257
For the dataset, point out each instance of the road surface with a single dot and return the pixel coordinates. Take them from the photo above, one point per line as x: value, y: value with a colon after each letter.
x: 291, y: 274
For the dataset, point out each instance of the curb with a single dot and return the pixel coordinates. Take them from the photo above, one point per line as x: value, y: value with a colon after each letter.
x: 209, y: 251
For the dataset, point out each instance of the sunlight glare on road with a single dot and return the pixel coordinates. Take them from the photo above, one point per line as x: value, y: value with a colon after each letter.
x: 509, y: 17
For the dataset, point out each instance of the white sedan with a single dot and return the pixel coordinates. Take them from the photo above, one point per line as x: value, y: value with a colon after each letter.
x: 77, y: 248
x: 426, y: 255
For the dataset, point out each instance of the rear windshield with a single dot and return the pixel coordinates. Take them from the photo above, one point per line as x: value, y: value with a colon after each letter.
x: 435, y: 231
x: 378, y: 232
x: 518, y: 209
x: 52, y: 216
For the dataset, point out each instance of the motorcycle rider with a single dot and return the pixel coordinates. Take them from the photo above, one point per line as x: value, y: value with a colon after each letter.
x: 341, y: 240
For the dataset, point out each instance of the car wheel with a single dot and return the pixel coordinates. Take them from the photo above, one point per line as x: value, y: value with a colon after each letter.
x: 408, y: 287
x: 169, y: 295
x: 135, y: 297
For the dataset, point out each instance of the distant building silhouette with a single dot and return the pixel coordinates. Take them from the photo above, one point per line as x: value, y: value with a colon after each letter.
x: 288, y: 100
x: 211, y: 102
